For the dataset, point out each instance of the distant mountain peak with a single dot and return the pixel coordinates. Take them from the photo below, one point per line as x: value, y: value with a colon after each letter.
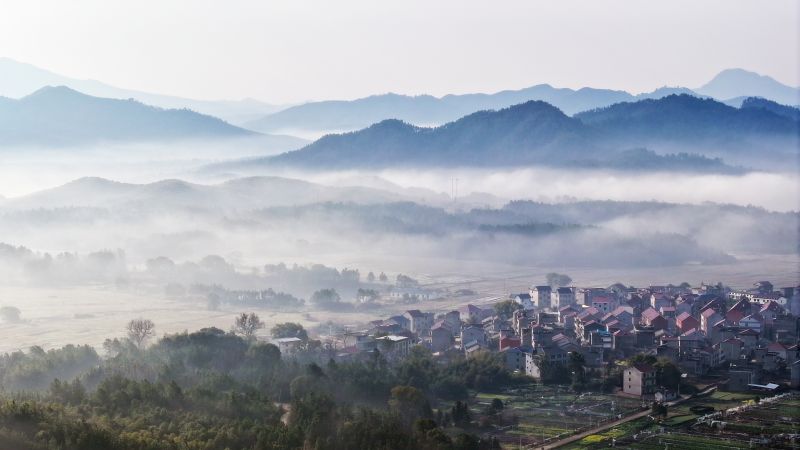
x: 739, y: 74
x: 732, y: 83
x: 63, y: 95
x: 55, y: 90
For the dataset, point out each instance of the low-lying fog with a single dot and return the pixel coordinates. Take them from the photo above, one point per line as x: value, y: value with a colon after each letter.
x: 77, y: 254
x: 23, y: 172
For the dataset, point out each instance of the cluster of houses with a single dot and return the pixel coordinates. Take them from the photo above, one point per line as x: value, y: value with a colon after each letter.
x: 749, y: 339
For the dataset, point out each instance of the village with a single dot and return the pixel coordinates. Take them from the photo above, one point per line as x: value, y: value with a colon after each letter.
x: 746, y: 339
x: 635, y: 349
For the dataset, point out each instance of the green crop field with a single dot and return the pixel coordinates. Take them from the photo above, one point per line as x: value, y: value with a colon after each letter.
x: 536, y: 412
x: 768, y: 420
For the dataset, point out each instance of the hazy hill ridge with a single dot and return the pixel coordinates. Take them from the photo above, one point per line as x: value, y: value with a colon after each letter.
x: 538, y: 133
x: 729, y: 85
x: 19, y: 79
x: 62, y: 116
x: 428, y: 110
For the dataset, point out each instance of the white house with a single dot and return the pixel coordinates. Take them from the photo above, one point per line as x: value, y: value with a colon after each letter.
x: 288, y: 346
x: 525, y: 301
x: 540, y: 296
x: 562, y: 297
x: 393, y: 346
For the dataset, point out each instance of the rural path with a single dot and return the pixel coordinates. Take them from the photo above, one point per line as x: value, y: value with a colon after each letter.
x: 595, y: 430
x: 604, y: 427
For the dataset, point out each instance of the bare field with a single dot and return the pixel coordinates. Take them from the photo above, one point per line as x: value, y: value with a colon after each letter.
x: 54, y: 316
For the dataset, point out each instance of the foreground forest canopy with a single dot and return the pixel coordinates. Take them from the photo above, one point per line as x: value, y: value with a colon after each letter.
x: 215, y: 390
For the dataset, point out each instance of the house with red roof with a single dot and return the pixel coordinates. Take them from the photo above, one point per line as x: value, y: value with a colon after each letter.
x: 686, y: 322
x: 603, y: 303
x: 779, y: 349
x: 509, y: 342
x: 733, y: 316
x: 652, y: 318
x: 744, y: 306
x: 709, y: 317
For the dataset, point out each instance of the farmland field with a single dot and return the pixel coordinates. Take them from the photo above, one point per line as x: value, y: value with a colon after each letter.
x: 765, y: 423
x: 537, y: 413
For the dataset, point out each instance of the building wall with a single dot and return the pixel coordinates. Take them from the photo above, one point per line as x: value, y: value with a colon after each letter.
x: 638, y: 383
x: 441, y: 340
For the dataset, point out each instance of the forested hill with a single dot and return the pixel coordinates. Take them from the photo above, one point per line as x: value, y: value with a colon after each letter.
x: 518, y: 134
x: 789, y: 112
x: 688, y: 118
x: 536, y: 132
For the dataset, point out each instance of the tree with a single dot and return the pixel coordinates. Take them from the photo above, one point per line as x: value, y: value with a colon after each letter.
x: 667, y: 374
x: 247, y: 325
x: 383, y: 278
x: 506, y: 308
x: 368, y: 294
x: 659, y: 409
x: 557, y: 280
x: 410, y: 403
x: 497, y: 404
x: 466, y: 441
x: 405, y: 281
x: 140, y: 330
x: 642, y: 358
x: 160, y: 264
x: 576, y: 367
x: 265, y: 356
x: 460, y: 414
x: 325, y: 298
x: 289, y: 330
x: 351, y: 274
x: 10, y: 314
x: 371, y: 277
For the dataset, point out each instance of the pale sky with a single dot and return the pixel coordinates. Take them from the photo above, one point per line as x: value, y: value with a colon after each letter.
x: 293, y: 50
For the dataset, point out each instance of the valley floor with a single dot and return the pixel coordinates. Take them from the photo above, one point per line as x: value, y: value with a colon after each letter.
x: 52, y: 316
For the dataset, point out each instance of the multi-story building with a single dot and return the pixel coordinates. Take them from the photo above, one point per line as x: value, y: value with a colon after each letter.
x: 639, y: 380
x: 540, y: 296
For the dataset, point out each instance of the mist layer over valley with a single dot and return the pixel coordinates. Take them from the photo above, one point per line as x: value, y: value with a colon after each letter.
x: 128, y: 209
x: 88, y: 254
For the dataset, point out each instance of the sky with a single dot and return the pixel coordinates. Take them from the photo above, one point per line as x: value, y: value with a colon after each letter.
x: 293, y: 50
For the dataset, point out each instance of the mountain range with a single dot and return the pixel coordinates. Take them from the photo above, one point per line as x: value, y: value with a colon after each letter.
x: 731, y: 85
x: 428, y: 110
x: 19, y: 79
x: 536, y: 132
x: 60, y: 116
x: 314, y: 119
